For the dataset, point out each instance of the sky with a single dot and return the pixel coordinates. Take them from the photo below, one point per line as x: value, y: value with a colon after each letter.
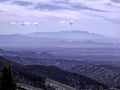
x: 27, y: 16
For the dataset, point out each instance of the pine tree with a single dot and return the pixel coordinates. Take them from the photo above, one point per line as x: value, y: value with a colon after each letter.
x: 100, y: 88
x: 7, y: 81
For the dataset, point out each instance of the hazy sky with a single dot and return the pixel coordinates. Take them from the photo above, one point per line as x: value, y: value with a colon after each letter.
x: 26, y: 16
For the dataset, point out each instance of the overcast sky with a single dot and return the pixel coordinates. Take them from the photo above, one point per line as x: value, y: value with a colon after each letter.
x: 26, y: 16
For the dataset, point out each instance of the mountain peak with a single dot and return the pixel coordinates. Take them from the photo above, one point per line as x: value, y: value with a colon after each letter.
x: 67, y: 31
x: 45, y: 54
x: 73, y: 31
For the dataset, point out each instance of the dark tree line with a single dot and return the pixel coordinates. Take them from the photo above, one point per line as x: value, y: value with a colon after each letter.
x: 8, y: 78
x: 7, y: 81
x: 30, y: 79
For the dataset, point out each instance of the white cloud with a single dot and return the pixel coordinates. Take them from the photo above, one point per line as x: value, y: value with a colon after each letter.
x: 67, y: 22
x: 25, y: 23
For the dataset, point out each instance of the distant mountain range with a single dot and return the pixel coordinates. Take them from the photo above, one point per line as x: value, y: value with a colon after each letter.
x: 70, y: 36
x: 63, y: 38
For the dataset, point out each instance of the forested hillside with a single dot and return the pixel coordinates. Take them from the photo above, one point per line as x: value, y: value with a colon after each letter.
x: 36, y: 75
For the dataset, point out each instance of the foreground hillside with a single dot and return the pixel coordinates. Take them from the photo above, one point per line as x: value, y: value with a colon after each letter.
x: 104, y: 73
x: 97, y: 69
x: 27, y: 87
x: 62, y: 76
x: 37, y: 75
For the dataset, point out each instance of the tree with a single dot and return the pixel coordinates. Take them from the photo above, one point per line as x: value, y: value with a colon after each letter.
x: 100, y: 88
x: 7, y: 81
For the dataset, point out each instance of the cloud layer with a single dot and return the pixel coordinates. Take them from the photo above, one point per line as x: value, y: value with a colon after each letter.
x: 63, y: 9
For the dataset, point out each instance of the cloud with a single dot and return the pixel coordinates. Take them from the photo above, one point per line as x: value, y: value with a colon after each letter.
x: 113, y: 20
x: 39, y: 1
x: 64, y: 5
x: 63, y: 9
x: 67, y: 22
x: 48, y: 7
x: 116, y: 1
x: 4, y: 0
x: 83, y: 7
x: 71, y: 22
x: 25, y: 23
x: 22, y: 3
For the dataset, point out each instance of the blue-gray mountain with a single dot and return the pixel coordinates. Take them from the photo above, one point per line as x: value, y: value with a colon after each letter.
x: 57, y: 39
x: 71, y: 36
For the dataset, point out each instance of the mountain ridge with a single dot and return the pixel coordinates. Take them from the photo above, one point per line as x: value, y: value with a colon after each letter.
x: 58, y: 39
